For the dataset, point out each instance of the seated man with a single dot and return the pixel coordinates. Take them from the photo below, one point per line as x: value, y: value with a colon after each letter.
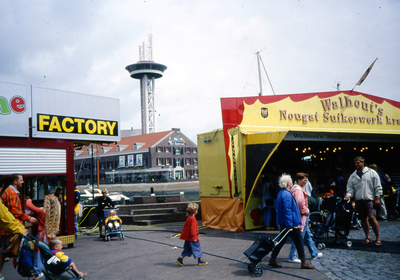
x: 113, y: 221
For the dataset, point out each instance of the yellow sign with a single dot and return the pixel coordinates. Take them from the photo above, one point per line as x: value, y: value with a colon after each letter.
x: 63, y: 124
x: 341, y: 111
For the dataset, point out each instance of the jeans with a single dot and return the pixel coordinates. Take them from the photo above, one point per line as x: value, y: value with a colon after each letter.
x: 267, y: 215
x: 38, y: 261
x: 76, y: 224
x: 308, y: 240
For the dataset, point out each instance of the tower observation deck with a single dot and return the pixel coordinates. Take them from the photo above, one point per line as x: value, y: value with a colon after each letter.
x: 146, y: 70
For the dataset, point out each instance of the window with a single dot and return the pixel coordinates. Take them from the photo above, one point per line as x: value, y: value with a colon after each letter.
x: 195, y: 161
x: 159, y: 161
x: 102, y: 165
x: 167, y: 149
x: 194, y: 150
x: 188, y: 161
x: 168, y: 161
x: 159, y: 149
x: 109, y: 165
x: 188, y: 150
x: 178, y: 162
x: 177, y: 151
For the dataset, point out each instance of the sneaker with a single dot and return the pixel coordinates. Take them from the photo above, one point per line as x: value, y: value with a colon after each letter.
x: 296, y: 260
x: 180, y: 261
x: 307, y: 266
x: 317, y: 257
x: 201, y: 262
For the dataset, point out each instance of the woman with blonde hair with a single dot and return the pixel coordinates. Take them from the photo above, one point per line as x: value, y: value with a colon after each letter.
x: 104, y: 202
x: 48, y: 226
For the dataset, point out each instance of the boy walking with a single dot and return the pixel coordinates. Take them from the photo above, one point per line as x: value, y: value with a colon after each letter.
x: 190, y: 233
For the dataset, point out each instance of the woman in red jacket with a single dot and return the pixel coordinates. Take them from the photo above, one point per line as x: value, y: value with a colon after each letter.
x: 190, y: 233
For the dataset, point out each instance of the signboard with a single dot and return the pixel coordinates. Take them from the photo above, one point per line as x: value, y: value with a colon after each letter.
x: 15, y: 110
x: 121, y: 161
x: 130, y: 160
x: 139, y: 160
x: 75, y: 116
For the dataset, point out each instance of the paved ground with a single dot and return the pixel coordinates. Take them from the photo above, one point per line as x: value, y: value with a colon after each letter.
x: 151, y: 254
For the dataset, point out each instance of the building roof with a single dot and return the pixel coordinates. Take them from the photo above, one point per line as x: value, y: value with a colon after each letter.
x: 142, y: 142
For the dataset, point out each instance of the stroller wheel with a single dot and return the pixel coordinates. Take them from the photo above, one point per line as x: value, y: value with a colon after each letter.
x: 258, y: 272
x: 321, y: 246
x: 349, y: 243
x: 250, y: 267
x: 108, y: 238
x: 393, y: 215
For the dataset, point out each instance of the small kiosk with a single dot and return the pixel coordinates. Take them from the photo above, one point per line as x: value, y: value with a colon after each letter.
x: 39, y: 129
x: 311, y: 132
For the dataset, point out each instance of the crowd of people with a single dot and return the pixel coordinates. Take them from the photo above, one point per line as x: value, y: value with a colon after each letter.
x: 47, y: 221
x: 291, y: 206
x: 286, y: 205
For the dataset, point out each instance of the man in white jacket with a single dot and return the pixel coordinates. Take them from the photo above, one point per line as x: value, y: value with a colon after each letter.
x: 364, y: 185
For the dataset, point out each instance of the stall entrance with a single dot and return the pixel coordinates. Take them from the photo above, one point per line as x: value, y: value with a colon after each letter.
x: 37, y: 187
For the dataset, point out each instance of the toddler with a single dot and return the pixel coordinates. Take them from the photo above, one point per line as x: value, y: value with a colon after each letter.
x: 113, y: 221
x: 190, y: 233
x: 55, y: 245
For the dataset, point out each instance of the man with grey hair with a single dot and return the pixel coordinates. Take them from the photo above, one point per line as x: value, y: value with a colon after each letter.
x: 364, y: 185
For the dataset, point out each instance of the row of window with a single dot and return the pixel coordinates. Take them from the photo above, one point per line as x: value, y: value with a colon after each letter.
x: 177, y: 150
x: 145, y: 176
x: 176, y: 161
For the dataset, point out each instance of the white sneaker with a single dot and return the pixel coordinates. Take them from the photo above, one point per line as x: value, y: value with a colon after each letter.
x: 318, y: 256
x: 296, y: 260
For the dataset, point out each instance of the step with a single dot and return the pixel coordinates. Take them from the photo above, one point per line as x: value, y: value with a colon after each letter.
x: 152, y: 211
x: 164, y: 217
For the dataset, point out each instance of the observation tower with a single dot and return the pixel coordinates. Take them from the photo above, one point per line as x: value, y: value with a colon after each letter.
x: 146, y: 70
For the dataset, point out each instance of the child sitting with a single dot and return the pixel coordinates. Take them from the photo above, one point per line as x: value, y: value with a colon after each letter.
x: 113, y: 221
x: 190, y: 233
x: 55, y: 245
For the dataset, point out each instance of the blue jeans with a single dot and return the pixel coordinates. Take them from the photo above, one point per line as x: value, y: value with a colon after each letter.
x: 308, y: 240
x: 38, y: 260
x: 267, y: 215
x: 76, y: 224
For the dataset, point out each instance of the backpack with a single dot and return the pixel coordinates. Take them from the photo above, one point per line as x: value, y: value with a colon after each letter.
x: 25, y: 260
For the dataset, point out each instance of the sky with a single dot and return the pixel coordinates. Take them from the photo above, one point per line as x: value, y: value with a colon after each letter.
x: 208, y: 46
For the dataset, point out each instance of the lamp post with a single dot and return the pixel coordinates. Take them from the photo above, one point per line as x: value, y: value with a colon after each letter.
x: 92, y: 176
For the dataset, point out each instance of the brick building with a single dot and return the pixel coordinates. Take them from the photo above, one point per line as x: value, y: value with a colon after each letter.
x: 167, y: 155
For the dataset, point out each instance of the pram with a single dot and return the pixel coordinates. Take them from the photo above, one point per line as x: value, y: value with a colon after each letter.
x: 54, y: 268
x: 108, y: 232
x: 333, y: 226
x: 260, y: 249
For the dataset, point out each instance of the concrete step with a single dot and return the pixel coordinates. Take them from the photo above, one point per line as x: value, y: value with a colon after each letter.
x: 152, y: 211
x: 162, y: 217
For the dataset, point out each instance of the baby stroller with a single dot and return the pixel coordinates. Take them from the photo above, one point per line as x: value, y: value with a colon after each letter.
x: 54, y: 268
x: 110, y: 232
x: 393, y: 197
x: 333, y: 226
x: 260, y: 249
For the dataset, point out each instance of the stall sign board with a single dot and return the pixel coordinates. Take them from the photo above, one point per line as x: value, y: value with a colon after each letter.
x: 75, y: 116
x: 15, y: 110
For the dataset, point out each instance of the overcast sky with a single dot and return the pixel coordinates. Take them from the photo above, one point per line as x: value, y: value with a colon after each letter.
x: 208, y: 46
